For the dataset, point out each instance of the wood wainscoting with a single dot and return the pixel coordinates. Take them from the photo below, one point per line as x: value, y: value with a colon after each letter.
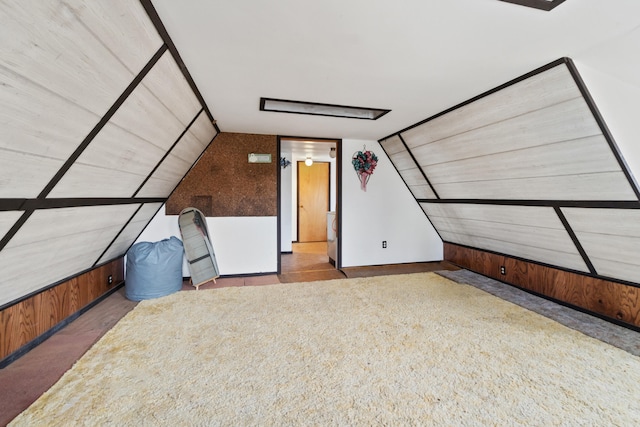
x: 611, y: 300
x: 30, y: 321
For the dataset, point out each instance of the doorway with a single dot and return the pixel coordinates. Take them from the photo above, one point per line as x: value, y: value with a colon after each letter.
x: 307, y: 195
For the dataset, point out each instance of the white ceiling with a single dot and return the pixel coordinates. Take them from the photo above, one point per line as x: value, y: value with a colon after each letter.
x: 415, y: 57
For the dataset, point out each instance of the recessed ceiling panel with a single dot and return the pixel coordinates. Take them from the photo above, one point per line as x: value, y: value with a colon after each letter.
x: 611, y: 239
x: 319, y: 109
x: 128, y: 236
x: 533, y: 233
x: 57, y: 243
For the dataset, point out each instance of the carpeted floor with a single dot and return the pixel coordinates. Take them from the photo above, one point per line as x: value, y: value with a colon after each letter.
x: 392, y: 350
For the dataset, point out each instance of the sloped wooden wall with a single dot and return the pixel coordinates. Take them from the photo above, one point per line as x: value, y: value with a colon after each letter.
x: 100, y: 121
x: 529, y: 171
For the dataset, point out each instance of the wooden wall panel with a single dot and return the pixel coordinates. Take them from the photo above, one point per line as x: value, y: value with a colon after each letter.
x: 529, y: 232
x: 611, y: 237
x: 407, y: 168
x: 235, y: 186
x: 616, y: 301
x: 133, y: 229
x: 540, y: 91
x: 26, y: 320
x: 57, y: 243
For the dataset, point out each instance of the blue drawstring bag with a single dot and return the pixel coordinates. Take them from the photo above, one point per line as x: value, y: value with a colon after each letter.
x: 154, y: 269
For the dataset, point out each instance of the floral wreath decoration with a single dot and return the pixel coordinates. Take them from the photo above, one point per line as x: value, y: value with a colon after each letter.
x: 364, y: 162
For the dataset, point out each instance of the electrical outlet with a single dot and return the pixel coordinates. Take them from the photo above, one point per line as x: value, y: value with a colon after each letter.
x: 384, y: 244
x: 503, y: 270
x: 110, y: 279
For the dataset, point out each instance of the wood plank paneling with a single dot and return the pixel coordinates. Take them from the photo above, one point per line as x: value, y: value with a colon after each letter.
x: 611, y: 239
x: 611, y: 300
x: 126, y: 238
x: 57, y: 243
x: 195, y: 140
x: 601, y: 186
x: 36, y: 33
x: 393, y: 145
x: 48, y: 127
x: 167, y: 83
x: 407, y: 168
x: 529, y: 232
x: 26, y: 320
x: 539, y: 91
x: 590, y: 155
x: 7, y: 219
x: 561, y: 122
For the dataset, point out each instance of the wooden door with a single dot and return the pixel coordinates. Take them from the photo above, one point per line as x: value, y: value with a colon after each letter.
x: 313, y: 201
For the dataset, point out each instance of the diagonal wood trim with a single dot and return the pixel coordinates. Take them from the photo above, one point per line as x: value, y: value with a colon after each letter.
x: 575, y: 240
x: 14, y: 229
x: 167, y: 153
x: 602, y: 204
x: 103, y: 121
x: 418, y: 165
x: 160, y: 28
x: 603, y: 126
x: 118, y: 234
x: 484, y: 94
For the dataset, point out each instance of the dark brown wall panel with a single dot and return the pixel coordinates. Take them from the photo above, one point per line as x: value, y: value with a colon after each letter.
x: 224, y: 183
x: 609, y: 299
x: 25, y: 321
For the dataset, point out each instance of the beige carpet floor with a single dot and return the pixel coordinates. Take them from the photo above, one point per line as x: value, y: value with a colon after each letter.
x: 412, y: 349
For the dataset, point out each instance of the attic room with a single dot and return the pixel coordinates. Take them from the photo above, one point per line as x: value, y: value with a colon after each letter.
x: 505, y: 142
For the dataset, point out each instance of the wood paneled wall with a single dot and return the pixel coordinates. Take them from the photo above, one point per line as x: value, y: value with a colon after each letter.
x: 29, y: 319
x: 224, y: 183
x: 611, y: 300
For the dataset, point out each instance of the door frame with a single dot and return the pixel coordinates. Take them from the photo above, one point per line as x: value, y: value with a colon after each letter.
x: 338, y: 184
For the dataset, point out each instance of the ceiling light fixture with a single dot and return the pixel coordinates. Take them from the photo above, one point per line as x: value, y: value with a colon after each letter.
x: 308, y: 162
x: 317, y: 109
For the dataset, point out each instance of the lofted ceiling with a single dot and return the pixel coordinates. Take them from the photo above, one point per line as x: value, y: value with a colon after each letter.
x: 415, y: 57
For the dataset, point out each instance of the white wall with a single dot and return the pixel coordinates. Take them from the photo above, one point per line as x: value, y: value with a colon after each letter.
x: 386, y: 211
x: 243, y: 245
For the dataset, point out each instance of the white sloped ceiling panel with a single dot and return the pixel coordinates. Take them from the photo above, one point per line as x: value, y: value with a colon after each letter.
x: 533, y: 233
x: 64, y: 65
x: 407, y: 168
x: 133, y: 229
x: 136, y: 138
x: 175, y: 166
x: 57, y: 243
x: 610, y: 238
